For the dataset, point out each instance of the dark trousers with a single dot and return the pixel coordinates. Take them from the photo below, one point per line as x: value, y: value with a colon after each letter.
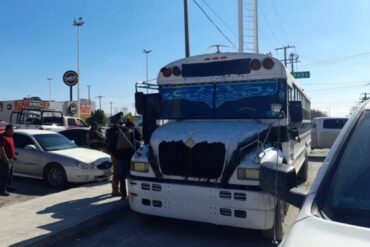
x: 6, y: 174
x: 123, y: 167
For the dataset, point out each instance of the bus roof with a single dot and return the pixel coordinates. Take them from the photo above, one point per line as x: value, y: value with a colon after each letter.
x: 224, y: 67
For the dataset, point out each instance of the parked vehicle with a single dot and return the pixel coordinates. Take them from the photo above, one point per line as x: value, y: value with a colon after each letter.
x: 215, y: 119
x: 336, y: 211
x: 325, y: 130
x: 80, y: 136
x: 44, y: 119
x: 51, y: 156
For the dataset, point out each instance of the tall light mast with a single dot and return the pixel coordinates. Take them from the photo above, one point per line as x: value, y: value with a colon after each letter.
x: 248, y: 25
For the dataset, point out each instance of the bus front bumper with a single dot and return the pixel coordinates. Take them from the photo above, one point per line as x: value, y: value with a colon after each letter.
x: 230, y: 207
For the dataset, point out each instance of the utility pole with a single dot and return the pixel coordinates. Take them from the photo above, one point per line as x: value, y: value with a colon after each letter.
x: 186, y: 17
x: 100, y: 97
x: 49, y: 79
x: 78, y: 23
x: 285, y: 48
x: 293, y: 58
x: 111, y: 108
x: 255, y: 29
x: 240, y: 26
x: 88, y: 92
x: 366, y: 97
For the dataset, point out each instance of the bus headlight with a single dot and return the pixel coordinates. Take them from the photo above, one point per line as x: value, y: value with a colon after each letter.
x: 139, y: 167
x: 248, y: 174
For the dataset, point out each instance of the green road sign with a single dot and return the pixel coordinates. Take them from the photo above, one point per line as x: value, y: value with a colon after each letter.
x: 301, y: 74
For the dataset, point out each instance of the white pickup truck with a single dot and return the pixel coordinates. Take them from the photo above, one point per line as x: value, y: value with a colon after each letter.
x: 325, y: 130
x: 45, y: 119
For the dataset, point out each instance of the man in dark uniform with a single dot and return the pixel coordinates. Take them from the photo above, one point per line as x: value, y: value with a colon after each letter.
x: 121, y: 144
x: 130, y: 138
x: 96, y: 138
x: 7, y: 155
x: 111, y: 146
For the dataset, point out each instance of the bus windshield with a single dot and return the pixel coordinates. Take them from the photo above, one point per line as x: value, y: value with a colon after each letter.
x: 250, y: 99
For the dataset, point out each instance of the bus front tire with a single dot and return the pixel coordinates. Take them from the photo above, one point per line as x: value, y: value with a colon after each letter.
x: 277, y: 230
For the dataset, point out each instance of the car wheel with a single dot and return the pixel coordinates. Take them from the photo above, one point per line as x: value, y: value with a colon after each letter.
x: 277, y: 229
x: 55, y: 176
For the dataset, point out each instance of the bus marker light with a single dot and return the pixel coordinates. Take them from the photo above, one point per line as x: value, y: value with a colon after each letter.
x: 166, y: 72
x: 268, y: 63
x: 255, y: 64
x: 176, y: 71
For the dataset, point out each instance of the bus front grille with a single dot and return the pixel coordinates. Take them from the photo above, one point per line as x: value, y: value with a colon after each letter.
x: 203, y: 160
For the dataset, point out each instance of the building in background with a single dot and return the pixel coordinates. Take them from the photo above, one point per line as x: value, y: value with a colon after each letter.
x: 68, y: 108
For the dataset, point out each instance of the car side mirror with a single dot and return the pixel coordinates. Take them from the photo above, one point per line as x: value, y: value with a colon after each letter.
x: 295, y: 111
x: 30, y: 147
x: 279, y: 181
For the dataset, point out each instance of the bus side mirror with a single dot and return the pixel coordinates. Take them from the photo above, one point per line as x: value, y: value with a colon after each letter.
x: 140, y: 102
x: 295, y: 111
x: 280, y: 181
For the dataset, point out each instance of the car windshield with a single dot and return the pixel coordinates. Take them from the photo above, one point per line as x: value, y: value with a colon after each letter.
x: 348, y: 195
x: 54, y: 142
x: 252, y: 99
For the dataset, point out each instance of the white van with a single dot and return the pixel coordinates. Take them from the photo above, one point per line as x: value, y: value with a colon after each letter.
x: 325, y: 130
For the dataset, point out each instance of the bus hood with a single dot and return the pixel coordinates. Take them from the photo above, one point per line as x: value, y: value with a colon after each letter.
x: 229, y: 132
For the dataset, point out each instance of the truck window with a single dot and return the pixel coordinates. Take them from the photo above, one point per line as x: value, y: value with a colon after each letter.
x: 334, y: 123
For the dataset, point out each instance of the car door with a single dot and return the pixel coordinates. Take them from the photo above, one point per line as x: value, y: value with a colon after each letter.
x: 27, y: 162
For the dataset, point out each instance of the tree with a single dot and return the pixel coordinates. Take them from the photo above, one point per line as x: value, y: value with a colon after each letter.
x: 131, y: 117
x: 317, y: 113
x: 97, y: 116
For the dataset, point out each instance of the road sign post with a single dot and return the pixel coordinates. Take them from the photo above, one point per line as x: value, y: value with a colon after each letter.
x: 301, y: 74
x: 70, y: 78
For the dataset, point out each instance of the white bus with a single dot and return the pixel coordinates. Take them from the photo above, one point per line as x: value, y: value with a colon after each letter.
x: 225, y: 114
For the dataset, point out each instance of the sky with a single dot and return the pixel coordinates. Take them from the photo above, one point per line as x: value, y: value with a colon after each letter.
x: 39, y: 41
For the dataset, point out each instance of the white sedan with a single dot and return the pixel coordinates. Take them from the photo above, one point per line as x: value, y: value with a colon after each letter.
x: 51, y: 156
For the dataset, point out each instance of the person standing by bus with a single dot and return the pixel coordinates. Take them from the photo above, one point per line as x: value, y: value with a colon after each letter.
x: 127, y: 143
x: 111, y: 146
x: 7, y: 156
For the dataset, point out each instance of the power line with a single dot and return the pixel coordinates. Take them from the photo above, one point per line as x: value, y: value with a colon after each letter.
x: 214, y: 24
x: 219, y: 17
x: 270, y: 27
x: 338, y: 60
x: 279, y: 20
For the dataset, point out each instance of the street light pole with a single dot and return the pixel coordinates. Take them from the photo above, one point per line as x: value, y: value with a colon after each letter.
x: 49, y: 79
x: 100, y: 97
x: 88, y: 92
x: 111, y: 108
x: 78, y: 23
x: 147, y: 66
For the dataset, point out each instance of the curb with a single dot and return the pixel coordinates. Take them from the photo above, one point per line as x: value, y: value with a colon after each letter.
x: 70, y: 231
